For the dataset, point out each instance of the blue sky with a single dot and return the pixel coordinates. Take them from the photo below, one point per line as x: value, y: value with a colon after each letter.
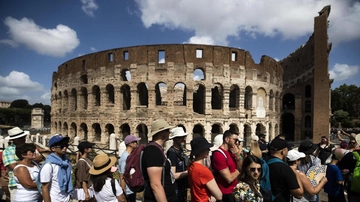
x: 37, y: 36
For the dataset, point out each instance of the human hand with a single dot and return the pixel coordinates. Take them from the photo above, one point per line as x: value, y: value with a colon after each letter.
x: 212, y: 199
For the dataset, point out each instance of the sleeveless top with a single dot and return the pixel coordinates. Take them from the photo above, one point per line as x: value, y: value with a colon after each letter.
x: 25, y: 193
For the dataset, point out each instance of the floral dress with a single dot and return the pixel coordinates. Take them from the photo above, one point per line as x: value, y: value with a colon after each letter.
x: 243, y: 193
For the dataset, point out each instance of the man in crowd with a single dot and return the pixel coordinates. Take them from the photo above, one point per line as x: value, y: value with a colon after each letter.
x: 179, y: 162
x: 131, y: 142
x: 284, y: 180
x: 263, y: 144
x: 226, y: 165
x: 155, y: 165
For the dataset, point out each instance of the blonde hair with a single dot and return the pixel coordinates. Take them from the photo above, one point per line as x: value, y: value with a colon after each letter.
x: 255, y: 148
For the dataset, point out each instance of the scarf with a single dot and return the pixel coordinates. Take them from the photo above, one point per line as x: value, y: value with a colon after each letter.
x: 64, y: 173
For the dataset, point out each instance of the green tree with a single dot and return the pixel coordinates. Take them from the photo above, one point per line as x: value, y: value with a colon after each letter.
x: 346, y: 98
x: 38, y: 105
x: 21, y: 103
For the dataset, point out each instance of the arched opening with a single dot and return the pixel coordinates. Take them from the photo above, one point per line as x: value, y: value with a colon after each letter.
x: 161, y: 92
x: 84, y: 79
x: 65, y: 129
x: 216, y: 97
x: 84, y: 96
x: 248, y: 98
x: 110, y: 93
x: 96, y: 95
x: 199, y: 74
x: 73, y: 102
x: 247, y: 136
x: 97, y: 130
x: 199, y: 99
x: 125, y: 130
x: 289, y: 101
x: 307, y: 106
x: 307, y: 91
x: 234, y: 97
x: 109, y: 129
x: 125, y: 75
x: 73, y: 130
x: 180, y: 94
x: 198, y: 130
x: 215, y: 130
x: 84, y: 131
x: 288, y: 126
x: 260, y: 128
x: 143, y: 94
x: 142, y: 132
x: 126, y: 95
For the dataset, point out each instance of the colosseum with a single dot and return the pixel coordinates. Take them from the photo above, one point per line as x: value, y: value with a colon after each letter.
x: 205, y: 89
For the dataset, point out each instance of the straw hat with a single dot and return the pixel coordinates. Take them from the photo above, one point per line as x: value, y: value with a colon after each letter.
x: 158, y: 126
x: 102, y: 163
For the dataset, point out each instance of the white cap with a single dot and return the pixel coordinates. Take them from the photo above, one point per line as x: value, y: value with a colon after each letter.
x: 294, y: 155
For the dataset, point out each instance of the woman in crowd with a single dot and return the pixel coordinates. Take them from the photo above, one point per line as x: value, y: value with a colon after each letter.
x: 203, y: 187
x: 83, y: 186
x: 248, y: 188
x: 25, y: 173
x: 106, y: 188
x: 293, y: 160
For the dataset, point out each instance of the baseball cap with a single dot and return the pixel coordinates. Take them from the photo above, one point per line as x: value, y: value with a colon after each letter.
x: 278, y: 144
x: 131, y: 138
x: 294, y: 155
x: 57, y: 138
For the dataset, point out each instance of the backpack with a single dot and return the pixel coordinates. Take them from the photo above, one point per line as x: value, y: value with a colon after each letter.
x: 133, y: 175
x: 211, y: 160
x: 38, y: 181
x: 265, y: 185
x: 355, y: 182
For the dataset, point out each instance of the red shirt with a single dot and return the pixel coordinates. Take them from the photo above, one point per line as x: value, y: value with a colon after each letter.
x: 199, y: 175
x: 219, y: 163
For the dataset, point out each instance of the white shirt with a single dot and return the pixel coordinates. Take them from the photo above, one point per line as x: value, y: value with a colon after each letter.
x: 47, y: 176
x: 106, y: 194
x: 26, y: 194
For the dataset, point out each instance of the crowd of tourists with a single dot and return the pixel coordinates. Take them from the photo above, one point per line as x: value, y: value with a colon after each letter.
x: 223, y: 171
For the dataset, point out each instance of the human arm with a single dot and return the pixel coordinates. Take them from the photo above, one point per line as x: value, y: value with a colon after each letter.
x: 9, y: 158
x: 178, y: 175
x: 155, y: 183
x: 122, y: 164
x: 237, y: 152
x: 121, y: 198
x: 308, y: 186
x: 24, y: 178
x: 297, y: 193
x: 214, y: 189
x: 174, y: 159
x: 86, y: 191
x: 45, y: 179
x: 295, y: 186
x: 119, y: 192
x: 46, y: 192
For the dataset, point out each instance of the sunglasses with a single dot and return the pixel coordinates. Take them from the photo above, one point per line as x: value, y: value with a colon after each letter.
x: 62, y: 146
x: 258, y: 169
x: 352, y: 142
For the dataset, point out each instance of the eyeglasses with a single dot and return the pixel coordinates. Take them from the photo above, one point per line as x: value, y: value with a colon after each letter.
x: 62, y: 146
x: 258, y: 169
x: 352, y: 142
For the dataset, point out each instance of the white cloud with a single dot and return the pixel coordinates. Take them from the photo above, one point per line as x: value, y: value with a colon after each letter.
x: 218, y: 20
x: 343, y: 71
x: 92, y: 49
x: 54, y: 42
x: 201, y: 40
x: 89, y: 6
x: 18, y: 85
x: 9, y: 42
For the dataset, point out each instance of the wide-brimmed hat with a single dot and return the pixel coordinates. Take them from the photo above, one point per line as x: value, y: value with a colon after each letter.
x: 102, y: 163
x: 57, y: 138
x: 294, y: 155
x: 158, y: 126
x: 16, y: 133
x: 199, y: 145
x: 177, y: 132
x: 131, y: 138
x: 307, y: 147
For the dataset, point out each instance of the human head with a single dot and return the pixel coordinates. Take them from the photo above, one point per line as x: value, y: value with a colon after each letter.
x: 352, y: 143
x: 307, y: 147
x: 218, y: 140
x: 26, y: 150
x: 294, y: 156
x: 58, y: 144
x: 279, y: 148
x: 344, y: 144
x: 251, y: 168
x: 160, y: 129
x: 178, y: 135
x: 17, y: 136
x: 281, y: 136
x: 102, y: 163
x: 200, y: 147
x: 131, y: 141
x: 324, y: 140
x: 262, y: 136
x: 230, y: 139
x: 84, y: 146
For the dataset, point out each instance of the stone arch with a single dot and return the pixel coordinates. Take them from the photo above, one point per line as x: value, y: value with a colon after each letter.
x: 97, y: 131
x: 234, y: 128
x: 125, y: 130
x: 143, y: 94
x: 84, y: 96
x: 217, y: 96
x: 110, y: 93
x: 84, y: 79
x: 199, y: 74
x: 73, y: 101
x: 179, y: 94
x: 289, y: 101
x: 84, y: 130
x: 142, y: 132
x: 248, y: 98
x: 260, y: 128
x: 199, y: 99
x: 96, y: 95
x: 198, y: 130
x: 126, y: 96
x: 109, y: 128
x: 161, y: 93
x: 73, y: 130
x: 288, y: 125
x: 216, y: 129
x: 247, y: 135
x: 234, y: 96
x: 271, y: 100
x: 125, y: 75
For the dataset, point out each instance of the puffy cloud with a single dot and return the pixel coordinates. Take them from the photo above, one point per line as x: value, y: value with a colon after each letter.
x: 54, y: 42
x: 201, y: 40
x: 92, y: 49
x: 343, y: 71
x: 18, y: 85
x: 89, y: 6
x: 9, y: 42
x: 219, y: 20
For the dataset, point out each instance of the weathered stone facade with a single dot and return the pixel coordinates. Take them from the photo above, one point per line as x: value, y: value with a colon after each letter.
x: 37, y: 118
x: 94, y: 96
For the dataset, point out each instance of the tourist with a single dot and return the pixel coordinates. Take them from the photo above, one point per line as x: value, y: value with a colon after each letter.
x: 83, y: 186
x: 203, y: 187
x: 248, y: 188
x: 293, y: 159
x: 263, y: 144
x: 131, y: 142
x: 308, y: 148
x: 101, y: 174
x: 179, y: 162
x: 25, y: 174
x: 335, y: 185
x: 155, y: 165
x: 18, y: 137
x: 55, y: 174
x: 324, y: 150
x: 226, y: 165
x: 284, y: 181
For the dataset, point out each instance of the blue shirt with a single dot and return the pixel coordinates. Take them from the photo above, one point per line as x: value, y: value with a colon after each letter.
x: 122, y: 164
x: 333, y: 174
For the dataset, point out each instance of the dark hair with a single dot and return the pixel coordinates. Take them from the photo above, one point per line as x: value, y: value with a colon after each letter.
x: 306, y: 160
x: 23, y: 149
x: 281, y: 135
x: 226, y: 134
x: 249, y: 159
x: 99, y: 180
